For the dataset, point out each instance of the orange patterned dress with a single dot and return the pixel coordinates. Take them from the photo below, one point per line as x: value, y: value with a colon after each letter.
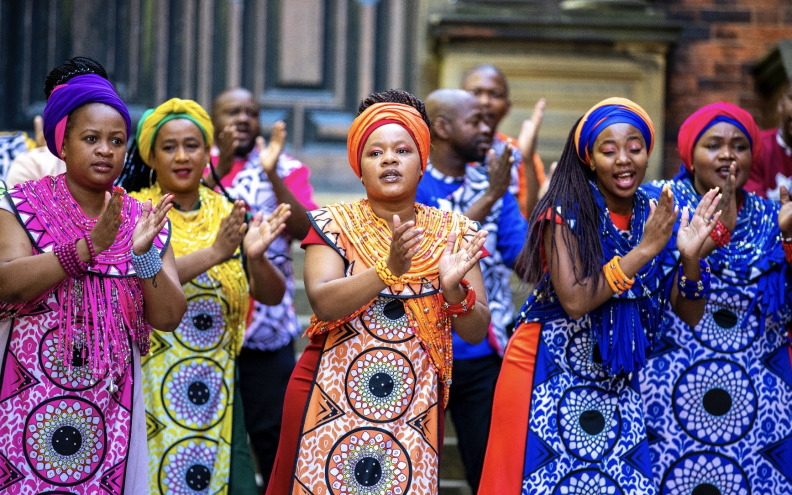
x: 372, y: 420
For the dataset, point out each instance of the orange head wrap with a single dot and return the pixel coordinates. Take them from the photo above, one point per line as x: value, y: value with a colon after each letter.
x: 380, y: 114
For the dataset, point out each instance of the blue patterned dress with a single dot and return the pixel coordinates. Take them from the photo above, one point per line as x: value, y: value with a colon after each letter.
x: 718, y: 396
x: 584, y: 431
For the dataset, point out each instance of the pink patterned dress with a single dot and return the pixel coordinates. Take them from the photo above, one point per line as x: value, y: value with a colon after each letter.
x: 70, y: 388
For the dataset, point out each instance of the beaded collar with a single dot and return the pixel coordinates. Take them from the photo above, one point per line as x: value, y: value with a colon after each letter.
x: 755, y: 245
x: 626, y: 324
x: 754, y: 258
x: 368, y: 238
x: 197, y: 229
x: 99, y: 311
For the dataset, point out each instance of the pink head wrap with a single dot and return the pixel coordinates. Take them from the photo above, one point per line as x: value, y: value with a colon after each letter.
x: 707, y: 116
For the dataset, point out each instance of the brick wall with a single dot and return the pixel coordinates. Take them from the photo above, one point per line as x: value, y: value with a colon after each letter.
x: 721, y: 41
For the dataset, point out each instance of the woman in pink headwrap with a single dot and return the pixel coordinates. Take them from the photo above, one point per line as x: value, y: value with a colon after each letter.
x: 85, y: 271
x: 717, y: 394
x: 567, y: 416
x: 385, y: 276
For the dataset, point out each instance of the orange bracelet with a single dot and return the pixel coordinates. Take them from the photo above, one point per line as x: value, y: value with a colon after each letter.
x: 616, y: 278
x: 466, y: 305
x: 384, y: 273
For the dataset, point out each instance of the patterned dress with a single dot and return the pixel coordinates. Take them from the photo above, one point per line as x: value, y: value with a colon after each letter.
x: 564, y: 421
x: 372, y: 419
x: 189, y: 374
x: 717, y: 395
x: 70, y: 387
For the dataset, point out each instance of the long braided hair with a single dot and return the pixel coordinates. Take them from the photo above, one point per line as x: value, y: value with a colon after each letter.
x: 570, y: 193
x: 396, y: 96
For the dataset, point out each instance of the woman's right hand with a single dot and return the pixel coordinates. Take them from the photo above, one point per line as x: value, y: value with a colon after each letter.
x: 660, y: 224
x: 106, y: 228
x: 728, y: 201
x: 232, y: 231
x: 404, y: 245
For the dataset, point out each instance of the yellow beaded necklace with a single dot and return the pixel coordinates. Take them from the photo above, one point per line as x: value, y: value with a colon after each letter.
x: 194, y: 230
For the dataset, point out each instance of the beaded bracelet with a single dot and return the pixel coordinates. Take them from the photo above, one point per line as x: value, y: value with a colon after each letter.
x: 87, y: 237
x: 385, y: 274
x: 786, y: 243
x: 466, y: 305
x: 720, y: 234
x: 66, y: 252
x: 147, y: 265
x: 616, y: 278
x: 698, y: 289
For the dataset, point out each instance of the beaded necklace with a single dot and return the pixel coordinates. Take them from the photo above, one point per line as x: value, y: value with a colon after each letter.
x: 753, y: 256
x: 371, y: 239
x: 100, y: 310
x: 197, y: 229
x: 626, y: 324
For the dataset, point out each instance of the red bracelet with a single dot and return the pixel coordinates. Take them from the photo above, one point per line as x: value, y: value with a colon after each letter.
x: 720, y: 234
x: 466, y: 305
x: 786, y: 243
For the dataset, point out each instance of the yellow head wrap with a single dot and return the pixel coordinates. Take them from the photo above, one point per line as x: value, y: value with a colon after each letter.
x: 175, y: 108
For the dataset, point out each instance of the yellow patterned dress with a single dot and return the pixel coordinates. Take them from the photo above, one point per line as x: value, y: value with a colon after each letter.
x: 189, y: 373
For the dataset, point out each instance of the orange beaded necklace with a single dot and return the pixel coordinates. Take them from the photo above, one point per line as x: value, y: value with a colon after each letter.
x: 371, y: 238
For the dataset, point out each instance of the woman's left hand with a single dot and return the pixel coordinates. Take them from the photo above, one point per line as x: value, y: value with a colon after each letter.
x: 261, y: 233
x: 694, y: 231
x: 151, y: 222
x: 454, y: 266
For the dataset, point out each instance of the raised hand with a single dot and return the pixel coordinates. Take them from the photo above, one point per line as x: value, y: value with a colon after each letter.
x: 231, y: 232
x: 728, y: 201
x: 106, y: 228
x: 151, y: 222
x: 227, y: 141
x: 660, y: 224
x: 38, y: 131
x: 529, y: 132
x: 404, y: 245
x: 261, y: 233
x: 500, y: 172
x: 453, y: 266
x: 785, y: 213
x: 269, y: 153
x: 694, y: 231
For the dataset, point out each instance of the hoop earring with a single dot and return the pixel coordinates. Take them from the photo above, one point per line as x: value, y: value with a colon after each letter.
x: 151, y: 177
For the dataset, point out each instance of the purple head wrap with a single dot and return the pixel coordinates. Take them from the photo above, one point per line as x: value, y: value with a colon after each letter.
x: 65, y: 98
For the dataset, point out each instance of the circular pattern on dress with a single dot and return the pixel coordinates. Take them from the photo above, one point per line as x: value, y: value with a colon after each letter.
x: 187, y: 467
x: 715, y: 401
x: 705, y: 473
x: 584, y: 357
x: 368, y: 461
x: 380, y: 384
x: 721, y: 328
x: 194, y: 393
x: 76, y: 377
x: 587, y: 482
x: 202, y: 327
x: 589, y: 422
x: 387, y: 320
x: 65, y: 440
